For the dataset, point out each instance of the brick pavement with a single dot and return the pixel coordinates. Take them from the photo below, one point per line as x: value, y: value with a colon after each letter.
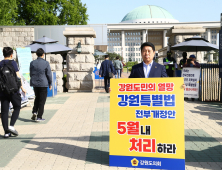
x: 76, y: 136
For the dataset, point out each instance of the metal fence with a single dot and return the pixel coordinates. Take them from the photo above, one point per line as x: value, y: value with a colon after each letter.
x: 210, y: 83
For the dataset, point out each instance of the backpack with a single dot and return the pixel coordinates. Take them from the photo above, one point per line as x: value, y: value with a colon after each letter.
x: 9, y: 83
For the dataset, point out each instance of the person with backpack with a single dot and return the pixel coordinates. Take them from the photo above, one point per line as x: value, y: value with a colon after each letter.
x: 10, y: 83
x: 118, y: 66
x: 41, y: 79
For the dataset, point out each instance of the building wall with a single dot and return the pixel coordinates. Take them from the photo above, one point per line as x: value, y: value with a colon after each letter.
x: 16, y: 36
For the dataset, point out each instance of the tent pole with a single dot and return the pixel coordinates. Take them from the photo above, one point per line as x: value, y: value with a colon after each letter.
x: 196, y: 52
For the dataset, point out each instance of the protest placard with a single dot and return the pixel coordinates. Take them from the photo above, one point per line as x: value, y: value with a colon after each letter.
x: 24, y: 58
x: 147, y: 123
x: 191, y: 80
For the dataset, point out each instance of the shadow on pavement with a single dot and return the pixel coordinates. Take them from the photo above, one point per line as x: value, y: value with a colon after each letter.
x: 71, y: 151
x: 26, y: 120
x: 212, y: 110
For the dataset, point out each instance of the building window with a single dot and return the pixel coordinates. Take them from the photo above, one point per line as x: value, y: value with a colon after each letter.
x: 136, y: 54
x: 126, y: 39
x: 131, y: 33
x: 126, y: 44
x: 126, y: 54
x: 118, y: 34
x: 212, y: 37
x: 118, y: 44
x: 126, y: 49
x: 137, y: 59
x: 131, y: 49
x: 133, y: 39
x: 133, y: 44
x: 118, y: 49
x: 125, y: 33
x: 128, y: 33
x: 134, y: 33
x: 215, y: 37
x: 118, y: 39
x: 115, y: 44
x: 138, y: 33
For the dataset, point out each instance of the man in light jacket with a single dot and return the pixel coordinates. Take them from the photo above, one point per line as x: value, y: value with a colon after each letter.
x: 118, y: 66
x: 41, y: 79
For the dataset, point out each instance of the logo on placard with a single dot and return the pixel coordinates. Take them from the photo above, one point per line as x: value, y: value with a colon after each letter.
x: 134, y: 162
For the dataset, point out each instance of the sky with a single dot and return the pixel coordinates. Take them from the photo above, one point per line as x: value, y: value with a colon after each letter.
x: 113, y: 11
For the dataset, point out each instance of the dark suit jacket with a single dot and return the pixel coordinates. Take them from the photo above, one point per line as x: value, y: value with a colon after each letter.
x: 106, y: 67
x: 157, y: 70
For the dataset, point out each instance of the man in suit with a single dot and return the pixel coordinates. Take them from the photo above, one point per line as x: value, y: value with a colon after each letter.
x: 148, y: 68
x: 106, y: 67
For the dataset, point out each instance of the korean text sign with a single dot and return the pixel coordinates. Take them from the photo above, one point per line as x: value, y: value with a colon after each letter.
x: 191, y: 81
x: 147, y: 123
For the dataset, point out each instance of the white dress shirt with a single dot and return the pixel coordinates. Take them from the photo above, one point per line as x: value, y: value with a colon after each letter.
x: 147, y: 68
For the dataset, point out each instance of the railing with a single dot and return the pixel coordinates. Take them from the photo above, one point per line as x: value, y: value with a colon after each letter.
x: 210, y: 83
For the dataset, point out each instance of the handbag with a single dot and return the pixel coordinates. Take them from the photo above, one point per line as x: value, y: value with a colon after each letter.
x: 110, y: 73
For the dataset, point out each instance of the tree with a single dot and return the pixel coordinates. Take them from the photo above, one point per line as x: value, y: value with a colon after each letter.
x: 8, y: 13
x: 73, y: 12
x: 38, y: 12
x: 51, y: 12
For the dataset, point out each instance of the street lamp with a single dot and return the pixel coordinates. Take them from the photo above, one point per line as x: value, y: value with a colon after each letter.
x: 79, y: 48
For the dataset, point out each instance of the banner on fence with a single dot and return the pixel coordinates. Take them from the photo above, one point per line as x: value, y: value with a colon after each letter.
x: 191, y: 80
x: 147, y: 123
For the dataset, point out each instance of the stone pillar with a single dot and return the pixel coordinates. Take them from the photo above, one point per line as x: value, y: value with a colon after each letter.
x: 164, y: 38
x: 123, y: 44
x: 80, y: 67
x: 144, y: 36
x: 209, y: 35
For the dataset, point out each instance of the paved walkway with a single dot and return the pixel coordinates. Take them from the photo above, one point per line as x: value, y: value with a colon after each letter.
x: 76, y: 136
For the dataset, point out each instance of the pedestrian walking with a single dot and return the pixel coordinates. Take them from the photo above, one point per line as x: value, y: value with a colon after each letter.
x: 106, y: 71
x: 9, y: 91
x: 118, y: 67
x: 41, y: 79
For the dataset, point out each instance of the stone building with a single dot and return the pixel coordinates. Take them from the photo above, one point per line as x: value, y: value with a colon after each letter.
x: 155, y: 24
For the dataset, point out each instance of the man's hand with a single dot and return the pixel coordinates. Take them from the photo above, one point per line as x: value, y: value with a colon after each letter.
x: 192, y: 62
x: 109, y: 89
x: 50, y: 87
x: 183, y: 86
x: 99, y: 75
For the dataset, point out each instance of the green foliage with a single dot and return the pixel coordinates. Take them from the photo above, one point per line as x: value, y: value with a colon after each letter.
x: 8, y: 13
x: 130, y: 63
x: 43, y: 12
x: 73, y: 13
